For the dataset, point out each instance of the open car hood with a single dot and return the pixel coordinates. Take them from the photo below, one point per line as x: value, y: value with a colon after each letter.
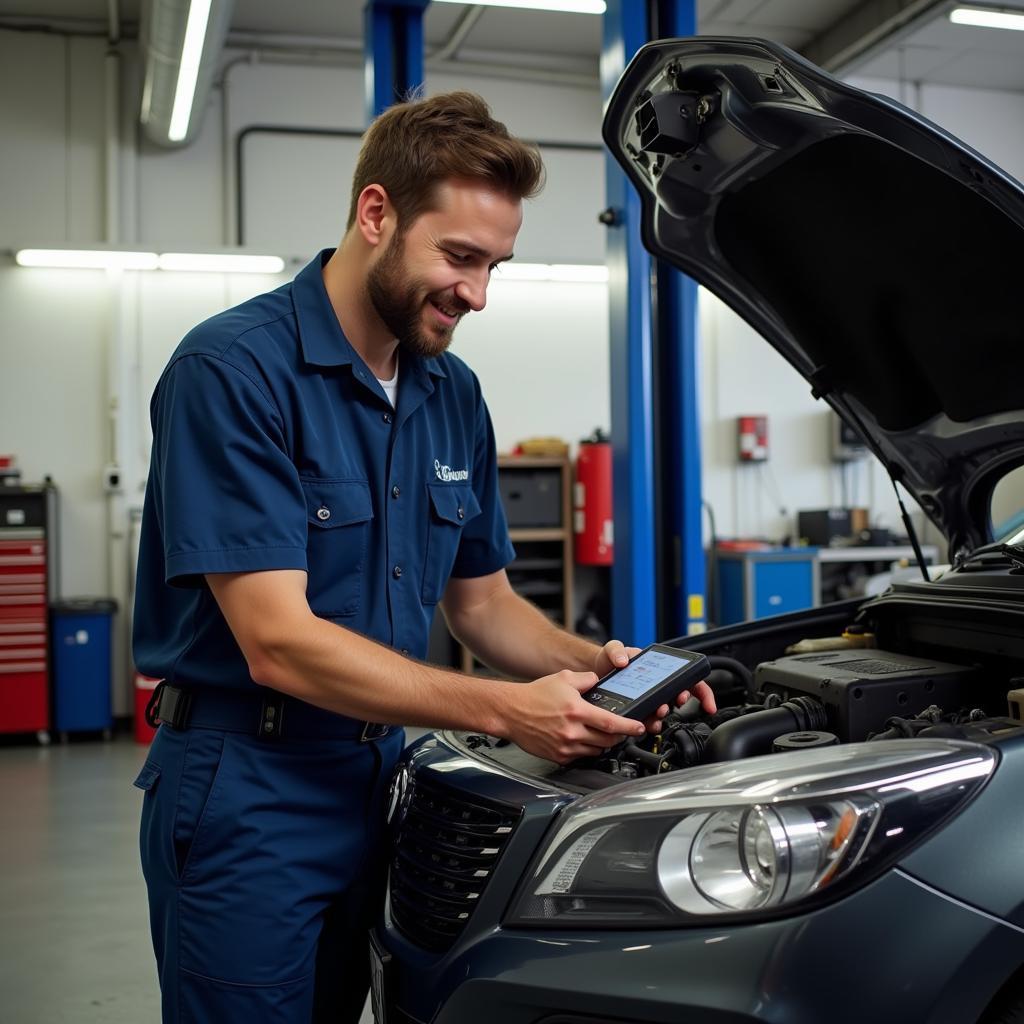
x: 877, y: 253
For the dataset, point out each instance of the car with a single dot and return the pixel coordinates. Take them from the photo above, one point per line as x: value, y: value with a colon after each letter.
x: 842, y: 841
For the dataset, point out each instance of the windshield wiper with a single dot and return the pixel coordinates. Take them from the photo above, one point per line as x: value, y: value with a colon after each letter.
x: 990, y: 556
x: 1015, y: 553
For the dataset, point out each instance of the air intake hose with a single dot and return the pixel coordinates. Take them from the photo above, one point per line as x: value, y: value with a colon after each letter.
x: 754, y: 734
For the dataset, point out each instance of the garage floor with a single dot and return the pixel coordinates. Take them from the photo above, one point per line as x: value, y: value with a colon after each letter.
x: 74, y: 938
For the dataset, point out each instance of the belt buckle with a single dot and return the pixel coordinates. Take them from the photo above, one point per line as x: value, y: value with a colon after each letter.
x: 271, y: 718
x: 173, y: 706
x: 373, y: 731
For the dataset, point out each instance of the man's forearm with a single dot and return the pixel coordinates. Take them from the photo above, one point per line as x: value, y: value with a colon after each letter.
x: 347, y: 673
x: 291, y: 650
x: 513, y: 636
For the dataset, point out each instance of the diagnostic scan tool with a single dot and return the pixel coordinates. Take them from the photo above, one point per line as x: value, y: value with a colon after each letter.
x: 656, y: 676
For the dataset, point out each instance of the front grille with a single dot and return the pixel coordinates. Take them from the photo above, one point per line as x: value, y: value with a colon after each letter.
x: 445, y: 853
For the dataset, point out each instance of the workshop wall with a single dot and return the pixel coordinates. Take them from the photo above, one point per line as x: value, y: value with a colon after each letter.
x: 72, y: 341
x: 83, y: 350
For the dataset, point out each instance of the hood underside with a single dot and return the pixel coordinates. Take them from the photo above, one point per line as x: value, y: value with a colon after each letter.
x: 878, y: 254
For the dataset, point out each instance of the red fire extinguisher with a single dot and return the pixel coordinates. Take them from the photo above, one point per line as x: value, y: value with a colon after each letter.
x: 592, y: 502
x: 752, y: 438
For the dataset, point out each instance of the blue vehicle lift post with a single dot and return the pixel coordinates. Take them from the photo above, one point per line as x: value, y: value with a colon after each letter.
x: 658, y: 576
x: 392, y: 51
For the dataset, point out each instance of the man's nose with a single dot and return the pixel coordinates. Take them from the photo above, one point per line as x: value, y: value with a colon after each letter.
x: 472, y: 290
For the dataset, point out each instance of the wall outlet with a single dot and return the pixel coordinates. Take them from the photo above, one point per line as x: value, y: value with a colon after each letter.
x: 112, y: 478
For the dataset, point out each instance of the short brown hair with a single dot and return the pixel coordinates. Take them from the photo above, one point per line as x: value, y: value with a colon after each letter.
x: 415, y: 145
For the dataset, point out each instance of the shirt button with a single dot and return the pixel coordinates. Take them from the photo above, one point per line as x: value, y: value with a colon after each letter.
x: 386, y: 417
x: 405, y: 651
x: 397, y: 572
x: 323, y: 513
x: 395, y: 491
x: 461, y: 513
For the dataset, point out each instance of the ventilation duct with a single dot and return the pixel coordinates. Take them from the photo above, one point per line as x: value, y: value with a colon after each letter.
x: 182, y: 41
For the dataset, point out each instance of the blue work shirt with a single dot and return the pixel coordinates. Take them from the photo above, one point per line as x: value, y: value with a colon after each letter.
x: 274, y: 447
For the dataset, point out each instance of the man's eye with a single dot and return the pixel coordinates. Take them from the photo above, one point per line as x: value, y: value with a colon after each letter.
x: 458, y: 257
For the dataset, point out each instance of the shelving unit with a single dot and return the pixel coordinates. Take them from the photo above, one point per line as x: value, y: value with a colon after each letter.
x: 537, y: 489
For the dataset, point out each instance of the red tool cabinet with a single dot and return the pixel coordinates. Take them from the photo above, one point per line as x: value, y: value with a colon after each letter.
x: 26, y: 581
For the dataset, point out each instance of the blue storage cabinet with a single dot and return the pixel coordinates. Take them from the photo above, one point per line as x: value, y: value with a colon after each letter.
x: 81, y: 631
x: 756, y: 584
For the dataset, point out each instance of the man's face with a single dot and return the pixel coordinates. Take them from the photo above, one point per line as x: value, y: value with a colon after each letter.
x: 430, y: 275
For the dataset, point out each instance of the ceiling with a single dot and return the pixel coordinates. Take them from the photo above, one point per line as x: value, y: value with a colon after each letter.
x: 909, y: 40
x: 941, y: 53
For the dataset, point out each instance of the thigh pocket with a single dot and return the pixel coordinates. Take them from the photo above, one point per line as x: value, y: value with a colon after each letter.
x: 148, y: 777
x: 338, y: 515
x: 451, y: 507
x: 198, y: 794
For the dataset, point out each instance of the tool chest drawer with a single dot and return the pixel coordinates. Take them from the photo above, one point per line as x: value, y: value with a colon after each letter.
x: 26, y: 582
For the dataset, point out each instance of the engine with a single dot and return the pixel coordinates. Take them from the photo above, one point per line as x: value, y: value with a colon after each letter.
x: 813, y: 698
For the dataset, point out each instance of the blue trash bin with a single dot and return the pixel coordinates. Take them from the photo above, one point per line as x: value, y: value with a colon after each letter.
x: 81, y: 637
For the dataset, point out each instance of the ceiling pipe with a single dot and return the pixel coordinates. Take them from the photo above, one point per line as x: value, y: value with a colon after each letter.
x: 112, y: 119
x: 334, y: 54
x: 165, y: 25
x: 449, y: 49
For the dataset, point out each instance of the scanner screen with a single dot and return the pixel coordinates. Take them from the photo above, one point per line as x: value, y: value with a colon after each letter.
x: 643, y: 674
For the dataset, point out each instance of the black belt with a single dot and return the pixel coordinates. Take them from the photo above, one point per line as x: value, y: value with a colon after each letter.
x: 266, y: 715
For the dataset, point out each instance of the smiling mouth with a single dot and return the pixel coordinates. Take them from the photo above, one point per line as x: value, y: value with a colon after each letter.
x: 447, y: 314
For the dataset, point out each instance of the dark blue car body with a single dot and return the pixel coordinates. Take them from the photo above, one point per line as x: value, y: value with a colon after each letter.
x: 880, y: 257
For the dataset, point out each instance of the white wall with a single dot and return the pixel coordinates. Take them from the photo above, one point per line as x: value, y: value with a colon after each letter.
x: 70, y: 340
x: 73, y: 341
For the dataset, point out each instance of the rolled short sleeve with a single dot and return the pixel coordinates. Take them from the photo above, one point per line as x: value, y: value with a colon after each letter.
x: 227, y: 494
x: 485, y: 546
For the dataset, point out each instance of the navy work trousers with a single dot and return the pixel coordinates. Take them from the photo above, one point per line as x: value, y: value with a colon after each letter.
x: 265, y: 867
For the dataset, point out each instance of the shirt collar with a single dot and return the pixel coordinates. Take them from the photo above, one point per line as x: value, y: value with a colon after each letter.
x: 321, y: 338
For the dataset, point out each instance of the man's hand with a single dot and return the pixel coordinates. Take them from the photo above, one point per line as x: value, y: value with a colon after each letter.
x: 551, y: 720
x: 615, y: 655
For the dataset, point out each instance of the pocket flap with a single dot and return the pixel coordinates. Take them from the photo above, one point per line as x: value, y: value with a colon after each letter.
x: 331, y: 503
x: 148, y: 777
x: 454, y: 504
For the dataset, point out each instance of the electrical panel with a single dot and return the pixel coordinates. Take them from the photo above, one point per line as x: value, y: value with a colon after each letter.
x: 847, y: 444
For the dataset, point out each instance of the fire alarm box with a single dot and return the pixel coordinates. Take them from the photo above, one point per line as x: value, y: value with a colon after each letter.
x: 752, y: 438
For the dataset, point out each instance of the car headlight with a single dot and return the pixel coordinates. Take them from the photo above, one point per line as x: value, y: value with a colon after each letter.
x: 745, y: 837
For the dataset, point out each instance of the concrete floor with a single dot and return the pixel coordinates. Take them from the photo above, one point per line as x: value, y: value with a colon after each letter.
x: 74, y: 927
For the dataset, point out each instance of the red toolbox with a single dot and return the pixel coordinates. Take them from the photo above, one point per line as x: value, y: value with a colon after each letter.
x: 26, y: 575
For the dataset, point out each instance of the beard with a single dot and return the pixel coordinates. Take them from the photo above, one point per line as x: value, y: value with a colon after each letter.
x: 399, y: 301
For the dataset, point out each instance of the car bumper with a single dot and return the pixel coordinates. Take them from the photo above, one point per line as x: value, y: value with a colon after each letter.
x: 896, y: 950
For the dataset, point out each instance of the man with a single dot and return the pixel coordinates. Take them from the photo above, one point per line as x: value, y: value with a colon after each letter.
x: 323, y: 474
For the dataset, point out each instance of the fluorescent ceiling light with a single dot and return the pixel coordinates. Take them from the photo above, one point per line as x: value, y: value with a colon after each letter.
x: 583, y: 272
x: 188, y: 69
x: 986, y: 18
x: 116, y: 259
x: 575, y: 272
x: 86, y: 259
x: 225, y: 263
x: 565, y: 6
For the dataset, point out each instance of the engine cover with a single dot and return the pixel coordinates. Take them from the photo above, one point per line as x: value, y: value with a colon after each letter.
x: 862, y: 688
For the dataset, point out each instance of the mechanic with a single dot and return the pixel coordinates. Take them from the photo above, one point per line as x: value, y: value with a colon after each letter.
x: 323, y: 475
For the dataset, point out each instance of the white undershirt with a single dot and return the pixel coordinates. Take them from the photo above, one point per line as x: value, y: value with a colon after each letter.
x: 391, y: 386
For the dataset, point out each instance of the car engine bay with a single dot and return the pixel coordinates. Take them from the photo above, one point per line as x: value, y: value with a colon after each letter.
x: 897, y: 667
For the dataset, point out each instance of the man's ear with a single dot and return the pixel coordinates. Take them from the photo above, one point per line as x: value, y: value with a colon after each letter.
x: 375, y: 215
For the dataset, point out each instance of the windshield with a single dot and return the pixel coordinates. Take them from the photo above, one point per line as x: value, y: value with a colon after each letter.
x: 1007, y: 508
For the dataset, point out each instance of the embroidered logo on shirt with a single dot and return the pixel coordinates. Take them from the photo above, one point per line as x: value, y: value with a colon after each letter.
x: 447, y: 474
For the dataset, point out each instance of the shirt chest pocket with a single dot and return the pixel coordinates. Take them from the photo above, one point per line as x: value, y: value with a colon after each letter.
x: 451, y: 507
x: 338, y: 518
